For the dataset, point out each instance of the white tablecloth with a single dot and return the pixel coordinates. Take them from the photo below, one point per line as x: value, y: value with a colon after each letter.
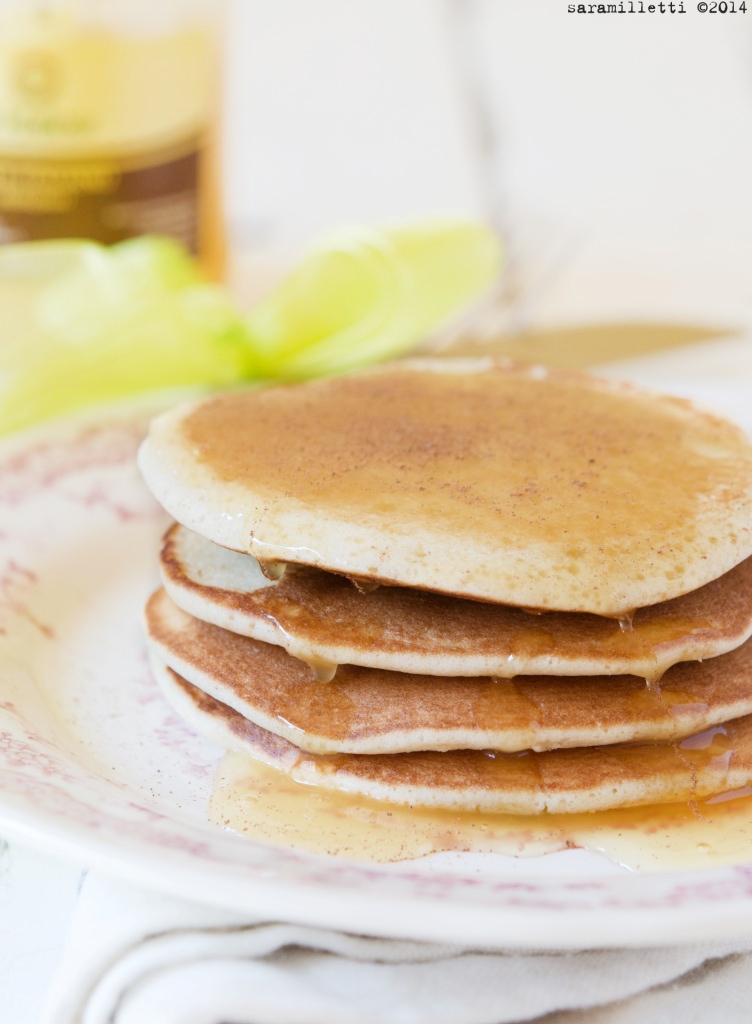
x: 133, y: 957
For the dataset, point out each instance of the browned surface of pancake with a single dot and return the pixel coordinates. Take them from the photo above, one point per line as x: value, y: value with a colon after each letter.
x: 322, y: 618
x: 558, y: 781
x: 375, y: 711
x: 542, y: 489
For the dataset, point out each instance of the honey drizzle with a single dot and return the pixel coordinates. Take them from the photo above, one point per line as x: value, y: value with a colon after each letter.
x: 626, y: 622
x: 252, y: 798
x: 323, y: 671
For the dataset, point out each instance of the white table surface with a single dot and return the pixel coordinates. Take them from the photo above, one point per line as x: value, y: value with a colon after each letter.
x: 37, y: 896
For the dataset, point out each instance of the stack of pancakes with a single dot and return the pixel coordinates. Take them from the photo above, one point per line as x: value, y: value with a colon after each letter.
x: 462, y: 584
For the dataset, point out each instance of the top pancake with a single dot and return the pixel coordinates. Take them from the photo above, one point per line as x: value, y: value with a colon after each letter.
x: 506, y: 483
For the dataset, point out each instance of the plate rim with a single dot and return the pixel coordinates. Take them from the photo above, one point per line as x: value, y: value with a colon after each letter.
x: 669, y: 907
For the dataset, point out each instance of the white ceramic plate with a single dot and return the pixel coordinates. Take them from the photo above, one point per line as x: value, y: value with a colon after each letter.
x: 95, y: 767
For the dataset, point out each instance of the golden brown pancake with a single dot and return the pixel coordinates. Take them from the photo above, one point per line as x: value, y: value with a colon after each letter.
x: 324, y: 620
x: 373, y: 711
x: 514, y: 484
x: 557, y: 781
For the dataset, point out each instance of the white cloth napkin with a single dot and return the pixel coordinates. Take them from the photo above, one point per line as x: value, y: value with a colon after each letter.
x: 137, y: 958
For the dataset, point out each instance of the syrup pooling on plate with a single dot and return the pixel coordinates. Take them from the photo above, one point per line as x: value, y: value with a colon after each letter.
x: 272, y: 806
x: 251, y: 798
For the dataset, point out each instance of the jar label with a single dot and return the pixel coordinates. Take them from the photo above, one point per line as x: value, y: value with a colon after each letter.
x: 101, y: 134
x: 103, y: 199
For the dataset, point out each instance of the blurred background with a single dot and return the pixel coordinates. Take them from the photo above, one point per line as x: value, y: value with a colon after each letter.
x: 613, y: 153
x: 610, y: 152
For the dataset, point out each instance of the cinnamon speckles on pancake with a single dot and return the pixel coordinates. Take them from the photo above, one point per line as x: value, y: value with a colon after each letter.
x: 561, y: 493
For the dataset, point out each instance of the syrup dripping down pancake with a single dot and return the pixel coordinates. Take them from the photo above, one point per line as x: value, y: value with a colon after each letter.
x: 537, y: 488
x: 557, y: 781
x: 377, y: 712
x: 325, y: 621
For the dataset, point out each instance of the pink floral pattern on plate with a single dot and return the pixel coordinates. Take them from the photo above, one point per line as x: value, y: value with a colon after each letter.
x: 95, y: 766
